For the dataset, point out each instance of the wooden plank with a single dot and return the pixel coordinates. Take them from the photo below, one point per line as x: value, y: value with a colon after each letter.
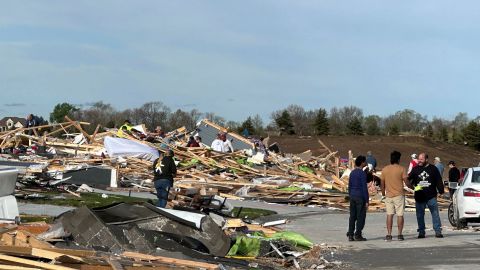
x: 33, y: 263
x: 36, y: 252
x: 13, y: 267
x: 178, y: 262
x: 92, y: 139
x: 31, y: 240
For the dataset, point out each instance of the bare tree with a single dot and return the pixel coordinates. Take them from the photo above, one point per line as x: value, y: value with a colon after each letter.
x: 215, y: 118
x: 153, y: 114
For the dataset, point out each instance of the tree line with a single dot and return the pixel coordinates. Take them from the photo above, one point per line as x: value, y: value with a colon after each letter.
x: 292, y: 120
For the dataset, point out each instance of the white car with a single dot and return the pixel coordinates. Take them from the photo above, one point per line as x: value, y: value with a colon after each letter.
x: 465, y: 206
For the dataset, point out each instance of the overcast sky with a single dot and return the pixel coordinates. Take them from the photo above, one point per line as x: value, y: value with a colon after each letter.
x: 238, y: 58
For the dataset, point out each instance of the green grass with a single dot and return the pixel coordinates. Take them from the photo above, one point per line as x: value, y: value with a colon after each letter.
x: 87, y: 199
x: 28, y: 218
x: 251, y: 213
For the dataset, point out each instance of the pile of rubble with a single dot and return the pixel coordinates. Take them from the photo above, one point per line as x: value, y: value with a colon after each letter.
x: 141, y: 235
x: 256, y: 170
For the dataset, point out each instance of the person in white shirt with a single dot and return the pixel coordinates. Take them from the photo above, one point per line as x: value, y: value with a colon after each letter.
x: 218, y: 144
x: 227, y: 144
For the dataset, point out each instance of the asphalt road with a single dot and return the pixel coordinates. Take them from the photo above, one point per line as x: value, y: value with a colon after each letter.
x: 459, y: 249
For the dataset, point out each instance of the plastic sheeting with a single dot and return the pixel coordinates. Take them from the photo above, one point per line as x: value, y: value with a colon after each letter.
x: 123, y: 147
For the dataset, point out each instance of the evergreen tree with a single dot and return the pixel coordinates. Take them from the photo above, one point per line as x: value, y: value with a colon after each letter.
x: 248, y: 126
x: 371, y: 125
x: 354, y: 127
x: 471, y: 134
x: 394, y: 130
x: 321, y: 125
x: 284, y: 122
x: 60, y: 111
x: 429, y: 131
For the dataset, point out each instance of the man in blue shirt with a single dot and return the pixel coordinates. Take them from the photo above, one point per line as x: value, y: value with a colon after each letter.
x: 358, y: 193
x: 371, y: 161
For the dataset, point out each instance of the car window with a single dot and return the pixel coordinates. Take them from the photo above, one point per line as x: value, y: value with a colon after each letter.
x: 465, y: 177
x: 476, y: 177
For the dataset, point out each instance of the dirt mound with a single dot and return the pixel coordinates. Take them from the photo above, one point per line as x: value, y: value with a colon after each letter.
x: 381, y: 147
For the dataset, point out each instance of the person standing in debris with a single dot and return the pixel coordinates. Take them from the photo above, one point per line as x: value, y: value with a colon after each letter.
x: 125, y: 129
x: 426, y: 180
x: 158, y: 132
x: 453, y: 177
x: 392, y: 179
x: 164, y: 170
x: 198, y: 139
x: 371, y: 161
x: 358, y: 194
x: 217, y: 144
x: 228, y: 147
x: 413, y: 163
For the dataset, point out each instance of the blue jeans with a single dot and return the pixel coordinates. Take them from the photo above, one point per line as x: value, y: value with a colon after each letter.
x: 163, y: 187
x: 433, y: 207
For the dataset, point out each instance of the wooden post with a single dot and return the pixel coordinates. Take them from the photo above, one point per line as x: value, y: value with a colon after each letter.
x: 351, y: 162
x: 337, y: 169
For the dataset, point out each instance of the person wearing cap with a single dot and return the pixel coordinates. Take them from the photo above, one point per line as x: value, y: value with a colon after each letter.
x: 164, y: 170
x: 438, y: 163
x: 413, y: 163
x: 453, y: 177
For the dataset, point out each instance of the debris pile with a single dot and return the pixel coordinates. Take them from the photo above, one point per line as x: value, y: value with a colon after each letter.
x: 123, y: 161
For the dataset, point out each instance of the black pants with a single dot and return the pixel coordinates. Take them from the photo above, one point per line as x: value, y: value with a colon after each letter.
x: 358, y: 213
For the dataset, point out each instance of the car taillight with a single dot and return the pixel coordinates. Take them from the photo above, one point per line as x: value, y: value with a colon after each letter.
x: 470, y: 192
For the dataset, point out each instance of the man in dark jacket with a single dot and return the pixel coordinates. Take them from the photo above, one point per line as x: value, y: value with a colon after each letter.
x: 453, y: 177
x: 426, y: 180
x: 164, y: 170
x: 32, y: 121
x: 358, y: 194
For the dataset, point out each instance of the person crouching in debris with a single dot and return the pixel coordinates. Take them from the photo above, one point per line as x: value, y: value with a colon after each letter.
x: 164, y: 170
x: 192, y: 142
x: 358, y: 194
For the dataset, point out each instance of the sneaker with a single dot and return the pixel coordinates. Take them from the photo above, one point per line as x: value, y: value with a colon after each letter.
x: 400, y: 237
x: 421, y: 235
x: 438, y: 235
x: 360, y: 238
x: 388, y: 238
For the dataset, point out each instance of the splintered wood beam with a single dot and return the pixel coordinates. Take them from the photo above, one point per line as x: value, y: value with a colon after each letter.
x: 79, y: 127
x: 33, y: 263
x: 95, y: 133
